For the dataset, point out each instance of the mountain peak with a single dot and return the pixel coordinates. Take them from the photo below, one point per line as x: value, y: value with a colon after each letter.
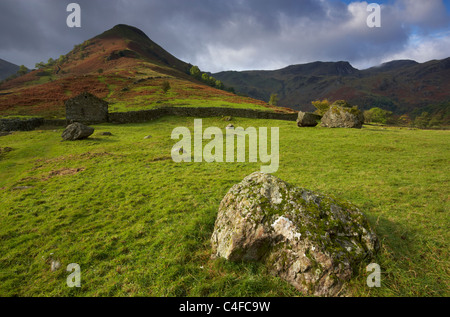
x: 340, y: 68
x: 393, y: 65
x: 124, y: 31
x: 138, y: 42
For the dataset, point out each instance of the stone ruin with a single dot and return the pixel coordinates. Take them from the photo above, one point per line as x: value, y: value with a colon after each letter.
x: 86, y: 108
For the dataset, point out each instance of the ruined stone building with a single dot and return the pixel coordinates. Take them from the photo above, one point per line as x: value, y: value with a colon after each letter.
x: 86, y: 108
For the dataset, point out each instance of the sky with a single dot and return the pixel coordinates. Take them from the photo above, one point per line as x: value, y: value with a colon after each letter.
x: 219, y: 35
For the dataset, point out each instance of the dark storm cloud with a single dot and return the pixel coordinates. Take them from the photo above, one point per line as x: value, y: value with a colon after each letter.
x: 234, y: 34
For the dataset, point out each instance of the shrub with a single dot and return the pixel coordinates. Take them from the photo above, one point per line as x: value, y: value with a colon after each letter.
x: 273, y: 101
x: 321, y: 106
x: 165, y: 86
x: 377, y: 115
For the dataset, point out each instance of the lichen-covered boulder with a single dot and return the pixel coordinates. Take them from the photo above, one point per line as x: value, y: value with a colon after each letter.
x: 311, y: 240
x: 343, y: 117
x: 77, y: 131
x: 307, y: 119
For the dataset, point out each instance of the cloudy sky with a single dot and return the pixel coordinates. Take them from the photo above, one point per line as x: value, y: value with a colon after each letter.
x: 221, y: 35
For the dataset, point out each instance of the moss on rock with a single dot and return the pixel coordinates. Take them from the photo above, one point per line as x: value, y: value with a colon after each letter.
x: 311, y: 240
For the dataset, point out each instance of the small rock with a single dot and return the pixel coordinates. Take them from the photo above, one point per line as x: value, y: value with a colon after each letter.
x: 5, y: 149
x: 106, y: 133
x: 148, y: 137
x: 230, y: 126
x: 22, y: 187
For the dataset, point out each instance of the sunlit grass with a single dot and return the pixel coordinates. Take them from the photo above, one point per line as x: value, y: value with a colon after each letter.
x: 139, y: 224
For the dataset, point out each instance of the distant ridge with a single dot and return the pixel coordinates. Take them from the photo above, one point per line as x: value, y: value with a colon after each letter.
x: 401, y: 86
x: 7, y: 69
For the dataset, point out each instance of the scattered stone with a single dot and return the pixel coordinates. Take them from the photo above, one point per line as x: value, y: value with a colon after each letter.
x: 311, y: 240
x: 5, y: 149
x: 22, y: 187
x: 77, y: 131
x: 307, y: 119
x: 343, y: 117
x: 140, y: 80
x: 230, y: 126
x: 148, y: 137
x: 106, y: 133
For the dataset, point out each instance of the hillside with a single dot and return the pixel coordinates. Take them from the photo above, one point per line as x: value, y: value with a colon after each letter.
x: 121, y: 65
x: 7, y: 69
x: 400, y: 86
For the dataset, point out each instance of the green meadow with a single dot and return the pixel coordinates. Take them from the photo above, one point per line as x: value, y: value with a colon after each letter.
x: 139, y: 224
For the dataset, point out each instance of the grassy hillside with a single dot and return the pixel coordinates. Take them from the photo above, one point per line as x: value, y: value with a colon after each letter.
x: 122, y: 66
x: 140, y: 224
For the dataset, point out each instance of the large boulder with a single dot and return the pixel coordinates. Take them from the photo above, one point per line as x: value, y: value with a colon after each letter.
x: 307, y: 119
x: 77, y: 131
x: 311, y: 240
x: 343, y: 117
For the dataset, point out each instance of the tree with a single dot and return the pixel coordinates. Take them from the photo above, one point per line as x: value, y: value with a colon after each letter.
x: 219, y: 85
x: 165, y: 86
x: 423, y: 120
x: 273, y: 101
x: 377, y: 115
x: 404, y: 120
x: 368, y: 116
x: 231, y: 90
x: 195, y: 72
x: 39, y: 65
x: 211, y: 81
x: 22, y: 70
x: 342, y: 103
x: 205, y: 78
x: 321, y: 106
x: 61, y: 59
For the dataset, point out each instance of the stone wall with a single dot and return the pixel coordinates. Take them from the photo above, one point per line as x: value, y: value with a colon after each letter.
x: 17, y: 124
x: 148, y: 115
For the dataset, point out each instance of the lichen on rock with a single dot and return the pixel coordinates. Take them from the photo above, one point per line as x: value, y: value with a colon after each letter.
x: 311, y: 240
x: 343, y: 117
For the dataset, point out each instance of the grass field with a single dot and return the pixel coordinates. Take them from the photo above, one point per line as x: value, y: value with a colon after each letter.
x: 139, y: 224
